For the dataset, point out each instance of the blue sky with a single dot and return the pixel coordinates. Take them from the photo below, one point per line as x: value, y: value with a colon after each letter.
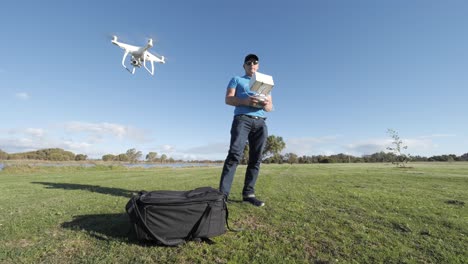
x: 344, y: 71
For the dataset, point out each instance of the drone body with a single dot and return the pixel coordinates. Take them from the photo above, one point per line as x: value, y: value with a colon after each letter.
x: 140, y: 55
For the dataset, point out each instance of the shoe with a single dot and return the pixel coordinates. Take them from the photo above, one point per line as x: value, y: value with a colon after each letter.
x: 226, y: 199
x: 254, y: 201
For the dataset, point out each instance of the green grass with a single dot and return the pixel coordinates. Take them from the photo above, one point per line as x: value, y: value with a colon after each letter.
x: 338, y: 213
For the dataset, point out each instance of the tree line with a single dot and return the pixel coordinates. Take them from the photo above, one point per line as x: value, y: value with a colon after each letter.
x: 275, y: 145
x: 271, y: 154
x: 373, y: 158
x: 133, y: 156
x: 58, y: 154
x: 52, y: 154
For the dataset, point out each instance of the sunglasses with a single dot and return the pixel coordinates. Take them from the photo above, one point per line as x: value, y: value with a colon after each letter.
x: 250, y: 63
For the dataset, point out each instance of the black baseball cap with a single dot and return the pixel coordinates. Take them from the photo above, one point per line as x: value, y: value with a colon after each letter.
x: 250, y: 57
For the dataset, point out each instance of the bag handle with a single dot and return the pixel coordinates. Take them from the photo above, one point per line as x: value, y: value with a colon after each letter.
x: 196, y: 228
x: 227, y: 217
x: 173, y: 242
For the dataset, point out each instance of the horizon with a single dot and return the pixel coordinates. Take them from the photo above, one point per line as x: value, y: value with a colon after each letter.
x: 169, y: 158
x: 344, y: 73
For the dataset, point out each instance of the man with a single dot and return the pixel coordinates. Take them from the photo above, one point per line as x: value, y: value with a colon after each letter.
x: 248, y: 125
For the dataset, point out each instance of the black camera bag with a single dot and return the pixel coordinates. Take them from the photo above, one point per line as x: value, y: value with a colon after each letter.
x: 173, y: 217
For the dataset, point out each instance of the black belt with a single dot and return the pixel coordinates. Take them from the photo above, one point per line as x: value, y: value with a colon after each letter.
x: 254, y: 117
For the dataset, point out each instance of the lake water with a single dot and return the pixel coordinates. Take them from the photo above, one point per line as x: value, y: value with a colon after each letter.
x: 142, y: 165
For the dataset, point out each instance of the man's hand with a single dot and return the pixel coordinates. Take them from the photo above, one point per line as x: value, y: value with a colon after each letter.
x: 265, y: 103
x: 256, y: 102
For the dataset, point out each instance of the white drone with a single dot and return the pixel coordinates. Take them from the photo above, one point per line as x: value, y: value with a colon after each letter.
x: 140, y: 55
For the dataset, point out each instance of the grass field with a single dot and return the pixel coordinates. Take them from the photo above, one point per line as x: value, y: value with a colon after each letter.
x: 337, y: 213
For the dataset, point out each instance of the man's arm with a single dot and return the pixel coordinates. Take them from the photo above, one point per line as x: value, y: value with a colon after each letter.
x: 231, y: 98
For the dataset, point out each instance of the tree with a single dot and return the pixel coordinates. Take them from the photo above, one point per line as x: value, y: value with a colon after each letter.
x: 277, y: 158
x: 133, y: 155
x: 108, y: 157
x: 274, y: 146
x: 55, y: 154
x: 291, y: 158
x: 79, y: 157
x: 397, y: 147
x: 57, y: 157
x: 163, y: 158
x: 152, y: 156
x: 450, y: 158
x: 380, y: 157
x: 323, y: 159
x: 122, y: 157
x: 464, y: 157
x: 3, y: 155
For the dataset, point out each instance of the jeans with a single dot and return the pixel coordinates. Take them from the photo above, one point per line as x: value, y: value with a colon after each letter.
x: 244, y: 129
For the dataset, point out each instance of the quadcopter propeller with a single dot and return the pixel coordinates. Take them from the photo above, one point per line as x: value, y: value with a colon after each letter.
x: 120, y: 37
x: 149, y: 36
x: 155, y: 41
x: 111, y: 35
x: 166, y: 59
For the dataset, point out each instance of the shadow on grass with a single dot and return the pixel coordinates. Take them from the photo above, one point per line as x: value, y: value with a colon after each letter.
x: 104, y: 227
x: 108, y: 227
x: 91, y: 188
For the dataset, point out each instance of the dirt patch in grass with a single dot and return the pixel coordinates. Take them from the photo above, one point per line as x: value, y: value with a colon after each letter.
x: 68, y: 251
x: 311, y: 251
x: 22, y: 243
x: 249, y: 222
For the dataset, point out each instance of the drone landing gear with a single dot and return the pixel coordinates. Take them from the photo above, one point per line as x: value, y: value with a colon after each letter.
x: 131, y: 71
x: 123, y: 64
x: 152, y: 66
x: 137, y: 64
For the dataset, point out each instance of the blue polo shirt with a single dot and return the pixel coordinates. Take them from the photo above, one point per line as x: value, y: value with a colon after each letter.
x: 241, y: 84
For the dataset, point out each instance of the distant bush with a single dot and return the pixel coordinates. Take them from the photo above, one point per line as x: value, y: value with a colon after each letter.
x: 108, y: 157
x: 81, y: 157
x: 3, y: 155
x: 54, y: 154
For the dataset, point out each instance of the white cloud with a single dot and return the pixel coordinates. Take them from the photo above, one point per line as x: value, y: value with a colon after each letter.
x: 311, y: 145
x: 367, y: 147
x: 210, y: 151
x: 30, y: 139
x: 437, y: 136
x: 92, y: 139
x: 424, y: 145
x: 168, y: 148
x: 417, y: 146
x: 28, y: 132
x: 35, y: 132
x: 22, y: 96
x: 419, y: 143
x: 76, y: 145
x: 23, y: 144
x: 330, y: 145
x: 98, y: 131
